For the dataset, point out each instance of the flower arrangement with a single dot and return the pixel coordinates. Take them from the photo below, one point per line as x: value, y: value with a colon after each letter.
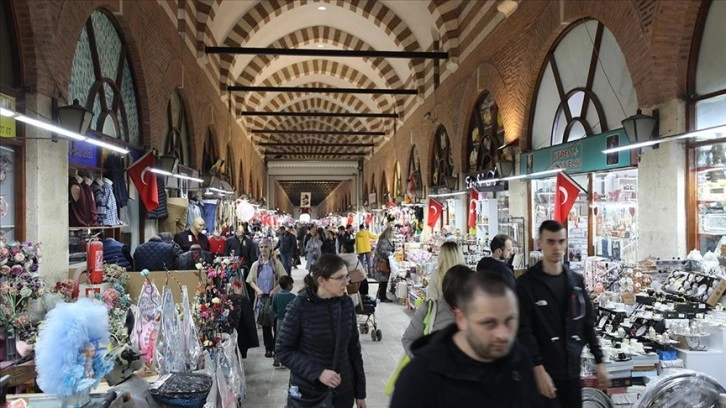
x: 19, y: 284
x: 216, y: 303
x: 117, y: 301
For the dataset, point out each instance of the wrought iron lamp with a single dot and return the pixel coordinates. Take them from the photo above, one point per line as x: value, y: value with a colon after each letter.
x: 505, y: 167
x: 75, y: 118
x: 640, y: 127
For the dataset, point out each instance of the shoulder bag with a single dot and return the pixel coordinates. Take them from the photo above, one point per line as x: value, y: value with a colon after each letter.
x: 405, y: 359
x: 325, y: 400
x: 356, y: 277
x: 382, y: 265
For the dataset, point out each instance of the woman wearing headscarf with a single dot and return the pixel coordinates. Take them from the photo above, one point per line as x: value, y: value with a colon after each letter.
x: 319, y: 342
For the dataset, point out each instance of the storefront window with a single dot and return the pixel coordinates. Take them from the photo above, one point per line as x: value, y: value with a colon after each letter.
x: 7, y: 193
x: 543, y: 194
x: 711, y: 198
x: 615, y: 222
x: 709, y: 89
x: 414, y: 173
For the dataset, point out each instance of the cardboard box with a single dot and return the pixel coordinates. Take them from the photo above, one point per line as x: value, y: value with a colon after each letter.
x: 717, y: 293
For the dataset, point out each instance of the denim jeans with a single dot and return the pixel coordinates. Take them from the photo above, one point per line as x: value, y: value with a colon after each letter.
x: 286, y: 260
x: 367, y: 262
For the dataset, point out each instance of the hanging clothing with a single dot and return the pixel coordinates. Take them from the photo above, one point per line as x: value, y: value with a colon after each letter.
x: 78, y: 211
x: 115, y: 171
x: 160, y: 212
x: 217, y: 245
x: 177, y: 219
x: 194, y: 210
x: 210, y: 210
x: 186, y: 239
x: 105, y: 204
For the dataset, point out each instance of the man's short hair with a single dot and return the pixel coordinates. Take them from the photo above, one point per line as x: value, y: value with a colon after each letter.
x: 454, y: 280
x: 551, y: 226
x: 362, y: 226
x: 499, y: 242
x: 488, y: 284
x: 341, y: 228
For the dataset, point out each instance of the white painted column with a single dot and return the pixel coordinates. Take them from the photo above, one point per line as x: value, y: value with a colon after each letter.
x: 46, y: 193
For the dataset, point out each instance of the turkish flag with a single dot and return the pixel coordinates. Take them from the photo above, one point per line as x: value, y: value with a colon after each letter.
x: 566, y: 192
x: 473, y: 197
x: 145, y: 181
x: 434, y: 212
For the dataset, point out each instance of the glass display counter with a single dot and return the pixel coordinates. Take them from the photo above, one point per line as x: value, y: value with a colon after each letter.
x: 710, y: 172
x: 615, y: 217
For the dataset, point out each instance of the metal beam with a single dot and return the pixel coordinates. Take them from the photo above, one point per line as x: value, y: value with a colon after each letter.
x: 312, y: 154
x: 308, y: 52
x: 321, y: 114
x: 303, y: 89
x: 314, y: 132
x: 319, y: 145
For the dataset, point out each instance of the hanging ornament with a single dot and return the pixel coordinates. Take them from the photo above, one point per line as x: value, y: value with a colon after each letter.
x: 245, y: 211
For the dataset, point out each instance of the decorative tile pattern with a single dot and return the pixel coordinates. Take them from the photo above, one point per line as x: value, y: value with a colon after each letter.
x: 128, y: 94
x: 108, y: 44
x: 82, y: 76
x: 83, y: 79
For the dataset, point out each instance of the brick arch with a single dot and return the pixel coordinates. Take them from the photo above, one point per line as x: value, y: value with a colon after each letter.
x: 320, y: 67
x: 58, y: 45
x: 314, y: 104
x: 297, y: 122
x: 376, y: 12
x: 240, y: 186
x: 24, y: 41
x: 445, y: 14
x: 320, y: 34
x: 211, y: 132
x: 206, y: 11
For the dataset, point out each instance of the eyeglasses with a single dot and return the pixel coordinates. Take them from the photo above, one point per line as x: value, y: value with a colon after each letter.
x: 343, y: 278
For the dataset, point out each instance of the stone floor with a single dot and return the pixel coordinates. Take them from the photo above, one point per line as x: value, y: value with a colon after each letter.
x: 267, y: 386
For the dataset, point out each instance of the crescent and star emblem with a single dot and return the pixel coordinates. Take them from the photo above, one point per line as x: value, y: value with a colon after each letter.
x: 143, y: 173
x: 436, y: 210
x: 563, y: 191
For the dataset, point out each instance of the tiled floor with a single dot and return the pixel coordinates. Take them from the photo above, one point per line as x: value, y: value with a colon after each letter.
x: 267, y: 386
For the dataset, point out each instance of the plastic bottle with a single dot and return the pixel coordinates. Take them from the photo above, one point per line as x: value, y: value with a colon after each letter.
x: 294, y: 392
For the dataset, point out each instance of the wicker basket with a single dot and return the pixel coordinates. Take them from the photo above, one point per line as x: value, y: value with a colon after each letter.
x: 19, y: 375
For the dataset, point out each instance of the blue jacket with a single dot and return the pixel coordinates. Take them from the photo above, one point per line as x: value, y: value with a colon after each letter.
x: 155, y: 255
x: 115, y: 252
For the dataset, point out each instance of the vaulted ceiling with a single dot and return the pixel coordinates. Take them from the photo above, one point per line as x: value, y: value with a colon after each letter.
x: 294, y: 132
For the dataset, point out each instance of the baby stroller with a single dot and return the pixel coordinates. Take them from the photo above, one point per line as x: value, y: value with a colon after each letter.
x: 366, y: 312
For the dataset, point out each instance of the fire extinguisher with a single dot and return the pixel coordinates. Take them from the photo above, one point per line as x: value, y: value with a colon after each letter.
x: 94, y: 261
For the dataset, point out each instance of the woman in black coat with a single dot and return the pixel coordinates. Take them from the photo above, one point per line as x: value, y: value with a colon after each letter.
x: 319, y: 316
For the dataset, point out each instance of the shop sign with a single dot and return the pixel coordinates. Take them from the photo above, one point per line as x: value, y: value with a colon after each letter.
x: 478, y: 181
x: 83, y: 154
x: 7, y: 125
x: 580, y: 156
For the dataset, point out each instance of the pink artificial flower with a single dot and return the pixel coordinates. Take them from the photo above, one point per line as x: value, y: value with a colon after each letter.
x: 19, y: 257
x: 5, y: 288
x: 111, y: 297
x: 4, y: 253
x: 4, y: 270
x: 16, y: 270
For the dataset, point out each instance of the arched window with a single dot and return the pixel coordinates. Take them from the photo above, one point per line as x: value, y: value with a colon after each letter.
x: 486, y: 134
x: 707, y: 80
x: 397, y: 180
x: 102, y: 80
x: 414, y: 172
x: 365, y: 191
x: 241, y: 178
x: 209, y: 154
x: 177, y: 133
x: 384, y: 189
x: 442, y: 161
x: 584, y: 87
x: 228, y: 174
x: 373, y: 187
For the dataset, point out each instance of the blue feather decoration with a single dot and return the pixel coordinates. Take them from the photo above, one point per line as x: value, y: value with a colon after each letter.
x: 70, y: 331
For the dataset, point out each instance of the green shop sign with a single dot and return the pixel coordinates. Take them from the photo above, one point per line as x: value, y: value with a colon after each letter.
x: 580, y: 156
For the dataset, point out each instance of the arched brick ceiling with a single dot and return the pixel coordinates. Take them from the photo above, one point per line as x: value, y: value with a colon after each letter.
x: 384, y: 25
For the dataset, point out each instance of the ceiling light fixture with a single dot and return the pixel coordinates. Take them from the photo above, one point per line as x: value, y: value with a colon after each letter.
x: 59, y: 130
x: 179, y: 176
x: 710, y: 133
x: 322, y: 8
x: 321, y: 45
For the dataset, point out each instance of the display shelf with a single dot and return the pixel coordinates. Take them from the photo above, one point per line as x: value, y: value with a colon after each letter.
x: 98, y: 227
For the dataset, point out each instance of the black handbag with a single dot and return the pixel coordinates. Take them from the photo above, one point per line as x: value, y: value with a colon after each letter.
x: 325, y: 400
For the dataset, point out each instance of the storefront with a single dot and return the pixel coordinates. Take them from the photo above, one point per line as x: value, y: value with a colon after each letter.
x: 707, y: 159
x: 444, y: 184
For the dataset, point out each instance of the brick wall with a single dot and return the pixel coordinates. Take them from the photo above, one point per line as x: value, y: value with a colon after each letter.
x: 655, y: 37
x: 161, y: 63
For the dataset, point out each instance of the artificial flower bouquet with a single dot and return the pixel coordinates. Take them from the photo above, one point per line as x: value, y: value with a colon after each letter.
x: 20, y: 284
x: 217, y: 303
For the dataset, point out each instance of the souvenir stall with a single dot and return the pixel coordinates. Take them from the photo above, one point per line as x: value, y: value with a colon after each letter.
x: 151, y: 339
x: 603, y: 219
x: 656, y: 318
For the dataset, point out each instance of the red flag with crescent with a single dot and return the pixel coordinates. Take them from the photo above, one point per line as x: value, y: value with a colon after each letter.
x: 145, y: 181
x: 566, y: 192
x: 473, y: 198
x: 434, y: 212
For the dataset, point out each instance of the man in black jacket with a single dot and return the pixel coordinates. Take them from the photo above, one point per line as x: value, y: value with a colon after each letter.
x: 501, y: 247
x: 474, y: 362
x: 557, y: 321
x: 286, y: 245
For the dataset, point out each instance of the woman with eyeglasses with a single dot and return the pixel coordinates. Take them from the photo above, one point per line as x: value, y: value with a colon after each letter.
x: 318, y: 340
x: 264, y: 278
